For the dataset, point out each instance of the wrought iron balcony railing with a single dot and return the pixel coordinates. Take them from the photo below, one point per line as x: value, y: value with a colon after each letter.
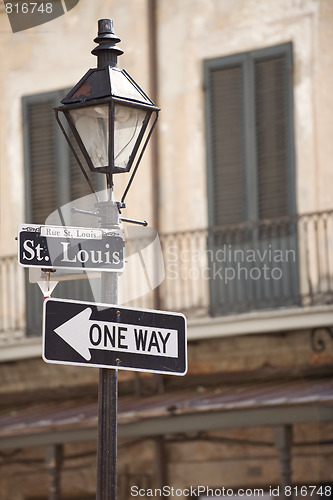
x: 12, y: 299
x: 286, y: 262
x: 253, y: 265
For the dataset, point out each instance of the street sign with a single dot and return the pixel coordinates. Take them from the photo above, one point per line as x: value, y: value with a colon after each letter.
x: 88, y: 249
x: 109, y: 336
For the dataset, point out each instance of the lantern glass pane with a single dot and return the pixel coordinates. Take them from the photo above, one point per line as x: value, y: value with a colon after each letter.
x: 128, y: 123
x: 92, y: 125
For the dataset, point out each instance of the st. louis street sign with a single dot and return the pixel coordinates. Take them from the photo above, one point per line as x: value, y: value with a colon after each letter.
x: 100, y: 335
x: 54, y: 247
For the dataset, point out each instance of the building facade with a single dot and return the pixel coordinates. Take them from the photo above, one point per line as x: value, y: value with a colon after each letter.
x: 236, y: 186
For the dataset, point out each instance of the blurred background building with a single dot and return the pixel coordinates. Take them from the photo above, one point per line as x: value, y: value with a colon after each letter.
x: 237, y: 182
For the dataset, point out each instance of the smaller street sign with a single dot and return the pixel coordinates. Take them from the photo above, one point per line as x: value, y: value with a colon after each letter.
x: 76, y: 248
x: 101, y: 335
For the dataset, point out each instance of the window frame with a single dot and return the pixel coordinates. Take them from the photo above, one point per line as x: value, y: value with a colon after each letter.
x: 246, y: 61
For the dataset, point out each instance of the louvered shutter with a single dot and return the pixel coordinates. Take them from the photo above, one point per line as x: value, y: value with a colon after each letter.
x: 250, y: 136
x: 41, y: 160
x: 226, y: 142
x: 53, y: 177
x: 271, y: 114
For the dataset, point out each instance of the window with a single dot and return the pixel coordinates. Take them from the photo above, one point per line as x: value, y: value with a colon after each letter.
x: 52, y: 179
x: 250, y: 135
x: 251, y: 186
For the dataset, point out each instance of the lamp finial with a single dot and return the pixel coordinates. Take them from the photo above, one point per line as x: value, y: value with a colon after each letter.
x: 106, y: 51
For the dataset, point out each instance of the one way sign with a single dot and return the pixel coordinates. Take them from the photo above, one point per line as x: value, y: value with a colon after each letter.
x: 100, y: 335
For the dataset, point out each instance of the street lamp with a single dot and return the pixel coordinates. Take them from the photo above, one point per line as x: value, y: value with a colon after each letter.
x: 111, y: 120
x: 110, y: 116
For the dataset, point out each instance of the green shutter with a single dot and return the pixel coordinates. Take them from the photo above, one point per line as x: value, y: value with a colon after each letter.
x: 250, y: 161
x: 53, y: 177
x: 41, y: 160
x: 271, y: 137
x: 227, y: 139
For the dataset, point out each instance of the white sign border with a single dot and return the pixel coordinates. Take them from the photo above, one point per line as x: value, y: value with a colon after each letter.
x: 104, y: 305
x: 21, y: 228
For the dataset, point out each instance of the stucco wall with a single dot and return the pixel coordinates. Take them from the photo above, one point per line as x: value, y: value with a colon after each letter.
x: 53, y: 56
x: 56, y: 55
x: 215, y: 28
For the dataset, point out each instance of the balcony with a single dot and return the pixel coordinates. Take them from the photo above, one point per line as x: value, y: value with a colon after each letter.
x: 235, y: 269
x: 285, y: 262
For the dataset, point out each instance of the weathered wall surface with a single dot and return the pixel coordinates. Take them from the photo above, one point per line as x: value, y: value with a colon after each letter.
x: 188, y: 32
x: 248, y: 353
x: 33, y: 63
x: 221, y: 459
x: 214, y: 28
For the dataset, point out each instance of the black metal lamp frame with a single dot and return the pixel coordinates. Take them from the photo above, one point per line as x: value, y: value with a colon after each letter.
x: 110, y: 169
x: 107, y: 54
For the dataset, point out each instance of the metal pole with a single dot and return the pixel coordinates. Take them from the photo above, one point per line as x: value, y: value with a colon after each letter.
x: 108, y: 383
x: 161, y: 463
x: 283, y: 442
x: 54, y: 454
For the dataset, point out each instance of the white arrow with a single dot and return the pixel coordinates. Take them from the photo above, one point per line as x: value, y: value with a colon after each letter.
x: 84, y: 334
x: 70, y: 332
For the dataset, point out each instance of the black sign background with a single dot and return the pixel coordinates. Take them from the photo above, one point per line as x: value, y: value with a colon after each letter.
x: 56, y: 350
x: 51, y: 257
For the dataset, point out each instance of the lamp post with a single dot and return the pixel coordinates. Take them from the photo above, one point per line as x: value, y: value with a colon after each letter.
x: 111, y: 120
